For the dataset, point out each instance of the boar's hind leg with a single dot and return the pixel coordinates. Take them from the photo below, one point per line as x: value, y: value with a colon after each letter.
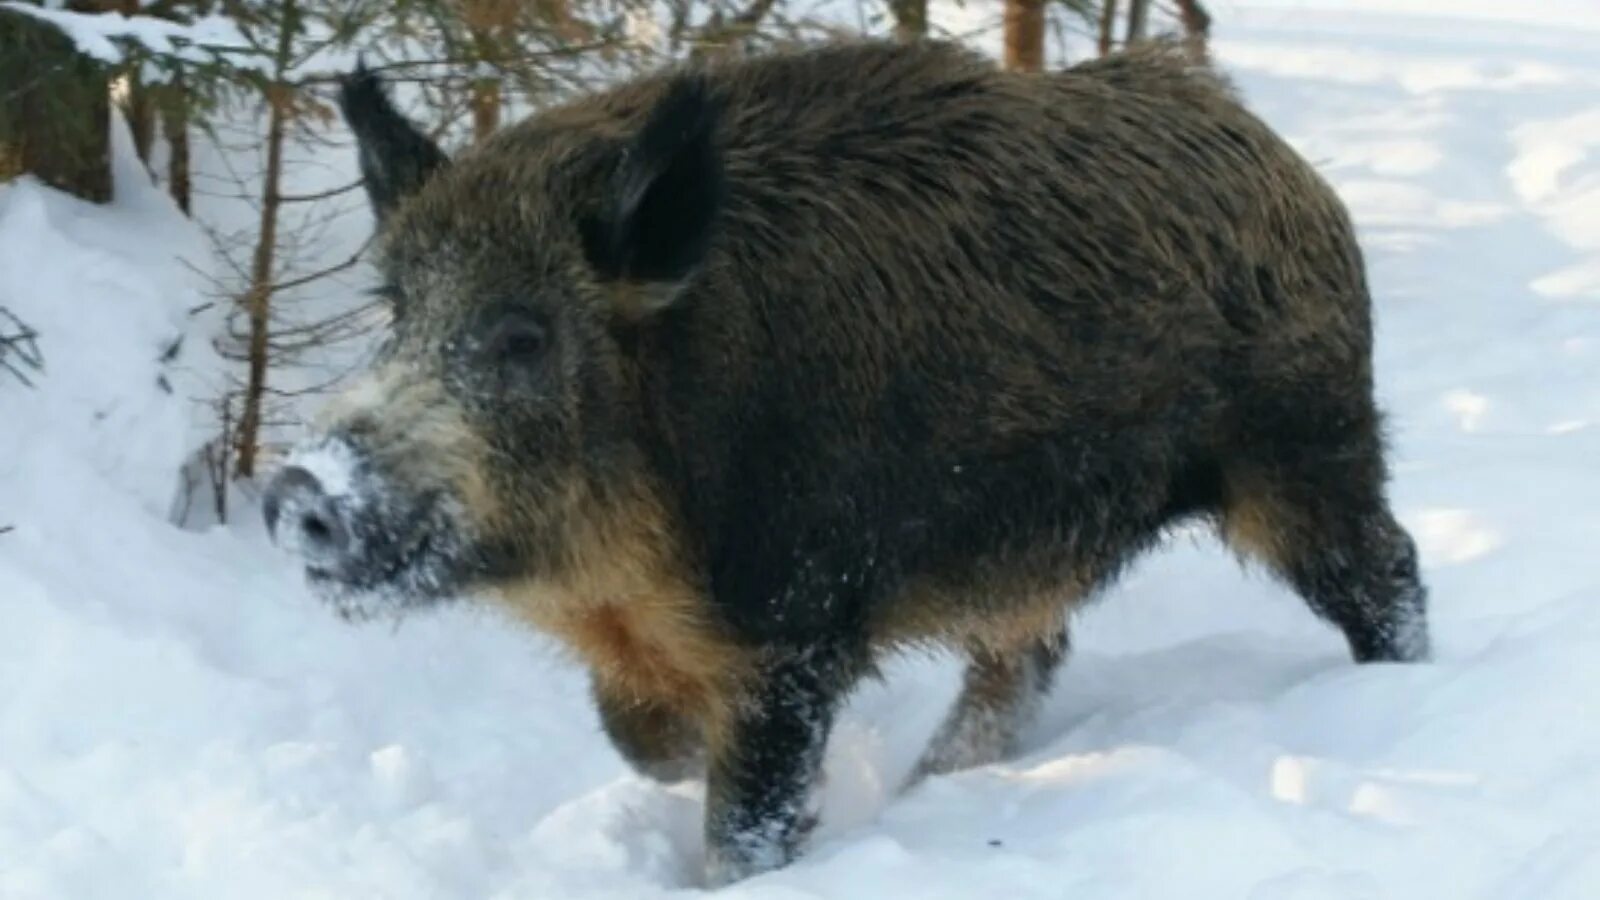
x: 658, y: 742
x: 1000, y: 694
x: 1329, y: 533
x: 765, y: 764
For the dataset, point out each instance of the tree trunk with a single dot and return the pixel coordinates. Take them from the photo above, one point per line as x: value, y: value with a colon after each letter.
x: 137, y: 106
x: 258, y: 297
x: 175, y: 128
x: 485, y: 104
x: 1138, y: 21
x: 1196, y: 27
x: 485, y: 99
x: 1024, y: 35
x: 910, y: 19
x: 55, y: 110
x: 140, y: 113
x: 487, y: 21
x: 1108, y: 20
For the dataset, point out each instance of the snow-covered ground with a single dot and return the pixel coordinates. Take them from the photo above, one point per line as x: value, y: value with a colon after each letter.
x: 178, y: 719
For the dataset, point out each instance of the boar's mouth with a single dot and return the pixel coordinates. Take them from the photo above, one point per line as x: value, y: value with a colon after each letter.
x: 400, y: 567
x: 392, y: 571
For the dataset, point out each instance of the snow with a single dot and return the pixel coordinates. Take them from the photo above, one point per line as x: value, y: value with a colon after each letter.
x: 179, y: 719
x: 120, y: 367
x: 332, y: 463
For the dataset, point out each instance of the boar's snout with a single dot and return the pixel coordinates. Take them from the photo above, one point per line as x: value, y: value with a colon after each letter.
x: 302, y: 517
x: 373, y: 539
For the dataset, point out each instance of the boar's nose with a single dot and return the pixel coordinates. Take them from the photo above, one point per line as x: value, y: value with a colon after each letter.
x: 301, y: 516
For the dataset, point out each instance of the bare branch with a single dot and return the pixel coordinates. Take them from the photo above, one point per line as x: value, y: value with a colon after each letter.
x: 503, y: 62
x: 320, y: 195
x: 20, y: 342
x: 340, y: 266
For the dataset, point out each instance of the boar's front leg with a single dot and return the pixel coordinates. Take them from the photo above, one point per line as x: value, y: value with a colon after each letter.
x: 766, y: 763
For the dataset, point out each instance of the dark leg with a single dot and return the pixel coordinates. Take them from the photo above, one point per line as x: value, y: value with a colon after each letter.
x: 658, y: 742
x: 1335, y: 541
x: 765, y: 766
x: 1362, y: 576
x: 1000, y: 694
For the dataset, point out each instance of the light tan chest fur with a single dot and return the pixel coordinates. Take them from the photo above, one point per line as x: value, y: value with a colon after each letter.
x: 653, y: 645
x: 626, y: 604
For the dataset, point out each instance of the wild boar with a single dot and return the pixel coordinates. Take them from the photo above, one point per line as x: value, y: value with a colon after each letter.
x: 739, y: 376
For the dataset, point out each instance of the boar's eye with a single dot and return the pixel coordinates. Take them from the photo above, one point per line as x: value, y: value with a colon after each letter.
x: 516, y: 337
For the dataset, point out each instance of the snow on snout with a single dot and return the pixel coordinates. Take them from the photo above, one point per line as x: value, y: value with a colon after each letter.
x: 333, y: 462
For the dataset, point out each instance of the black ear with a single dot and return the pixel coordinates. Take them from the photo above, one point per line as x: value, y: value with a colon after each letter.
x: 657, y: 213
x: 396, y: 158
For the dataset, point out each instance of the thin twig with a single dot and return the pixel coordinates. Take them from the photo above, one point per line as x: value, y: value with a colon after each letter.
x: 558, y: 53
x: 22, y: 344
x: 293, y: 283
x: 321, y: 195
